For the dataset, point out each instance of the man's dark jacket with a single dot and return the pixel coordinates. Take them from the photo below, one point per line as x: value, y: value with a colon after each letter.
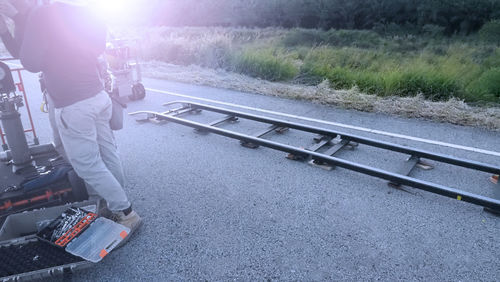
x: 64, y: 41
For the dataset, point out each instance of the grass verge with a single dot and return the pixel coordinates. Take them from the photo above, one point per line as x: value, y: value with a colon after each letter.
x: 428, y: 65
x: 452, y: 111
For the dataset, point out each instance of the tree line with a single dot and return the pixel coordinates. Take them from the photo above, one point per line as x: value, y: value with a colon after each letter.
x: 453, y: 16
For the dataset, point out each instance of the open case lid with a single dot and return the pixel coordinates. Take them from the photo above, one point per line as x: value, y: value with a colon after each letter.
x: 102, y: 236
x: 84, y: 234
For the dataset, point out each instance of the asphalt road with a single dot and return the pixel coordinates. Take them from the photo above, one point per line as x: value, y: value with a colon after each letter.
x: 214, y: 210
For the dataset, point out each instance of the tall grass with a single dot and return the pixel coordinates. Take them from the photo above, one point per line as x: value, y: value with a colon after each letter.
x: 209, y: 47
x: 438, y: 68
x: 455, y: 73
x: 267, y: 64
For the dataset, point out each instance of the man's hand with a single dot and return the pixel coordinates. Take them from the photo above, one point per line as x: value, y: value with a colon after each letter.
x: 7, y: 9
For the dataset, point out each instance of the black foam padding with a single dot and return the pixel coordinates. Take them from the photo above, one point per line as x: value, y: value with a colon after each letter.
x: 32, y: 256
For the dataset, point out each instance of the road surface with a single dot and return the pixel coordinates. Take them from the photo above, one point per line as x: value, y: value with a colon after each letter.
x: 214, y: 210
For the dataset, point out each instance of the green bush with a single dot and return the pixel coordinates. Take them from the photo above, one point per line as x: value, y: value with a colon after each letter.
x: 217, y: 54
x: 434, y: 31
x: 406, y: 44
x: 490, y: 32
x: 394, y: 29
x: 431, y: 84
x: 486, y: 88
x: 370, y: 82
x: 454, y: 72
x: 341, y: 38
x: 493, y: 61
x: 264, y: 64
x: 302, y: 37
x: 352, y: 38
x: 352, y: 58
x: 340, y: 78
x: 408, y: 83
x: 166, y: 51
x: 378, y: 73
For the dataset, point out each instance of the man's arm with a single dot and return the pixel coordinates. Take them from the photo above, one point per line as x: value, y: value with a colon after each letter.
x: 35, y: 44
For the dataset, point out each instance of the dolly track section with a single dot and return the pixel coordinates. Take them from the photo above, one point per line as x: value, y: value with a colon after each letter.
x: 379, y: 173
x: 350, y: 137
x: 347, y: 126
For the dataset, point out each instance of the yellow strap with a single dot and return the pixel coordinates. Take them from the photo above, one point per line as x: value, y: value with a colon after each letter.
x: 43, y: 107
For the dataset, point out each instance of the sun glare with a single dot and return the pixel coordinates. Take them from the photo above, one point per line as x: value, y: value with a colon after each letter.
x: 116, y: 11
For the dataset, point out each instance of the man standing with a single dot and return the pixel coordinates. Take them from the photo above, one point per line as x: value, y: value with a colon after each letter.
x: 64, y: 40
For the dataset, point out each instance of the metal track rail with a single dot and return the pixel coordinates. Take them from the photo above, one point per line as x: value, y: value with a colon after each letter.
x: 325, y: 137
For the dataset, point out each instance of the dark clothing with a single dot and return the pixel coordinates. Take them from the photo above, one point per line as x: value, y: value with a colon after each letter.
x: 64, y: 42
x: 13, y: 44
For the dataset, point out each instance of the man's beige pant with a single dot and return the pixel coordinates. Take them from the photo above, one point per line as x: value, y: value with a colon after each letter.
x: 90, y: 147
x: 58, y: 146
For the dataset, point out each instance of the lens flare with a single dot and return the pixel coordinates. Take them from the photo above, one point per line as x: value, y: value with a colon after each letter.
x: 116, y: 11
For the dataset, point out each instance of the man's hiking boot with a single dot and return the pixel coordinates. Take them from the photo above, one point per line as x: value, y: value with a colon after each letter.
x: 127, y: 218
